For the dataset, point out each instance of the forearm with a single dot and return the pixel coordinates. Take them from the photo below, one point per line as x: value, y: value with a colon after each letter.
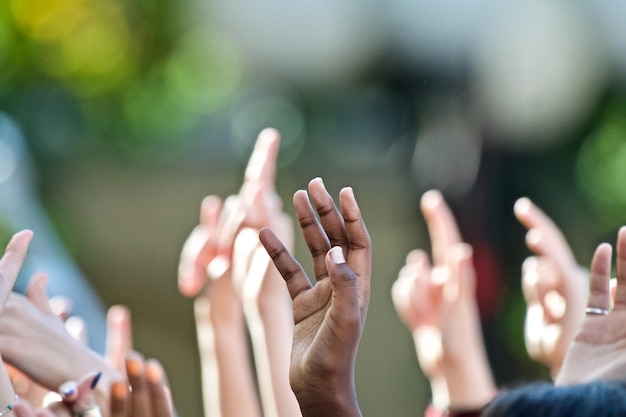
x: 228, y: 386
x: 271, y: 329
x: 336, y: 404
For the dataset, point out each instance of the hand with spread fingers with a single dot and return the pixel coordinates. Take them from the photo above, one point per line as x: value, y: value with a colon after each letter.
x: 329, y: 316
x: 554, y: 286
x: 598, y: 351
x: 438, y: 305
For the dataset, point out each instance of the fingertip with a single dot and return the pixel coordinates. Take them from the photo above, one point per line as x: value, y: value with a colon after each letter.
x: 154, y: 371
x: 431, y: 199
x: 417, y: 256
x: 119, y: 390
x: 336, y: 255
x: 347, y: 191
x: 188, y: 286
x: 317, y: 183
x: 218, y: 267
x: 269, y: 134
x: 533, y: 238
x: 522, y: 207
x: 461, y: 251
x: 118, y: 314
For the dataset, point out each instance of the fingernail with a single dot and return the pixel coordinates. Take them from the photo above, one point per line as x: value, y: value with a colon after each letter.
x: 431, y: 198
x: 67, y: 389
x: 133, y: 367
x: 119, y: 390
x: 153, y: 372
x: 336, y: 254
x: 533, y: 237
x: 218, y: 267
x: 96, y: 379
x: 522, y: 206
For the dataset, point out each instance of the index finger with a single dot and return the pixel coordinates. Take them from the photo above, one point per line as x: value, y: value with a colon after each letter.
x: 289, y: 268
x: 544, y: 237
x: 12, y: 261
x: 262, y: 165
x: 441, y: 224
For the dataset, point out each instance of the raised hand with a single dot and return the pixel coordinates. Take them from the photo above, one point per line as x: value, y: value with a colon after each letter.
x: 211, y: 253
x: 554, y: 286
x: 329, y: 316
x: 598, y: 351
x: 438, y: 305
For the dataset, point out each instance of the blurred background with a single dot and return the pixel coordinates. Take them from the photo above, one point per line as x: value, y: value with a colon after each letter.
x: 120, y: 116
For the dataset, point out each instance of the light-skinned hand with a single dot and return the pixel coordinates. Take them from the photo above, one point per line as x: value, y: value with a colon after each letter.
x: 598, y: 351
x: 438, y: 305
x: 554, y: 286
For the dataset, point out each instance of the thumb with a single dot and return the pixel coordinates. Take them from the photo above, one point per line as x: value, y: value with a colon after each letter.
x: 345, y: 295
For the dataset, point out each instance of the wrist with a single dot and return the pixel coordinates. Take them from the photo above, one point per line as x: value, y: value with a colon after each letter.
x: 336, y: 404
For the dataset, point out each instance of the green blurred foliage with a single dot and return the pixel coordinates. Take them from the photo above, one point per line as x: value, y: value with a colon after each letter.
x: 138, y: 81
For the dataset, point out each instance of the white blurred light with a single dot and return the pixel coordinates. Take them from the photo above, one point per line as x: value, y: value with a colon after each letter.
x: 272, y: 110
x: 312, y: 42
x: 447, y: 155
x: 539, y: 70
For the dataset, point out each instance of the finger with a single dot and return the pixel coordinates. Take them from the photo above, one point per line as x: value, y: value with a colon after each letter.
x: 61, y: 306
x: 140, y: 398
x: 289, y: 268
x: 345, y: 307
x: 314, y: 235
x: 36, y: 293
x: 197, y: 252
x: 530, y: 280
x: 544, y: 237
x: 119, y: 398
x: 23, y: 409
x: 462, y: 270
x: 210, y: 210
x: 613, y: 290
x: 246, y: 243
x: 160, y: 393
x: 77, y: 328
x: 359, y: 245
x: 262, y: 164
x: 620, y: 292
x: 119, y: 338
x: 330, y: 217
x: 231, y: 221
x: 12, y: 261
x: 441, y: 225
x: 46, y: 413
x: 600, y: 275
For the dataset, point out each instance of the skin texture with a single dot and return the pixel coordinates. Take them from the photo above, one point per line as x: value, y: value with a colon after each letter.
x: 437, y: 304
x: 598, y: 351
x: 329, y: 316
x: 554, y: 286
